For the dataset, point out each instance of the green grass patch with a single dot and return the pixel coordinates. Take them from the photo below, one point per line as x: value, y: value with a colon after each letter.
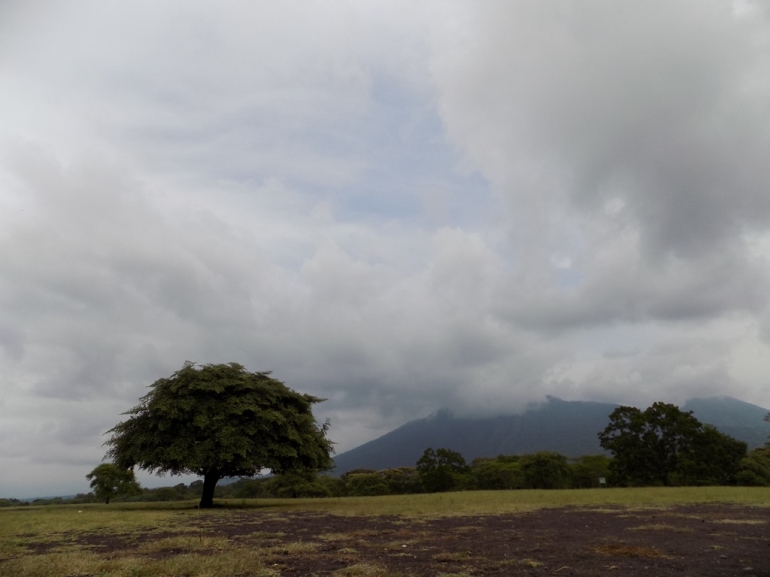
x: 498, y: 502
x: 83, y: 563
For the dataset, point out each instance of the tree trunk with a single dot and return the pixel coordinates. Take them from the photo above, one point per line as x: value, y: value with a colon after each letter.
x: 210, y: 480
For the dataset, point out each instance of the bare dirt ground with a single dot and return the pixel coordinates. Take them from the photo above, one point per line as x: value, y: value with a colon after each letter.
x: 693, y: 540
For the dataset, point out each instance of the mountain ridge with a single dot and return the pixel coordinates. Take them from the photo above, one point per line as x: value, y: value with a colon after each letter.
x: 569, y: 427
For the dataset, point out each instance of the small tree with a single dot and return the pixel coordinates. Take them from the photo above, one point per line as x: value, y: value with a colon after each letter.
x: 109, y: 481
x: 221, y: 421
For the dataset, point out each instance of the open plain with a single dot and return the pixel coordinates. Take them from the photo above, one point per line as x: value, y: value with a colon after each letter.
x: 651, y: 531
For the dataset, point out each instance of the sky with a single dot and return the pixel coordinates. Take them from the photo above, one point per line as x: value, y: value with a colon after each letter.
x: 396, y: 206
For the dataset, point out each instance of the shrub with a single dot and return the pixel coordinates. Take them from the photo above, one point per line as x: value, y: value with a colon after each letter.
x: 545, y: 470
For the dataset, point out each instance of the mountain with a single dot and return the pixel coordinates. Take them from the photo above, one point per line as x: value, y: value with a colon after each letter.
x: 569, y: 427
x: 738, y: 419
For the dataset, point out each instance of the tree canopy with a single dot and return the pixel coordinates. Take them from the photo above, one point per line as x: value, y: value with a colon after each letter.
x: 109, y: 481
x: 221, y: 421
x: 663, y: 445
x: 441, y: 469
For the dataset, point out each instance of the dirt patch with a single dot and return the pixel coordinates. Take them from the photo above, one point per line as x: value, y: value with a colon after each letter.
x: 695, y: 540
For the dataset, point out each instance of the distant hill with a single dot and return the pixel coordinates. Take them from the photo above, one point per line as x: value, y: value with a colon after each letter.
x: 733, y: 417
x: 569, y: 427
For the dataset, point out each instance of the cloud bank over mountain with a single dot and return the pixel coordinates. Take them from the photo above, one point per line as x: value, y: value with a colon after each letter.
x: 398, y: 208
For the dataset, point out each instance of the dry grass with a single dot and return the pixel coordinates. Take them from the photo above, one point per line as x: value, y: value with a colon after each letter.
x: 83, y: 563
x: 184, y: 551
x: 452, y: 557
x: 622, y: 550
x: 185, y: 544
x: 363, y: 570
x: 660, y: 527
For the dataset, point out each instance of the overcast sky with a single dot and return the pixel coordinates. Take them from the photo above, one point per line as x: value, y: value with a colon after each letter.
x: 397, y: 206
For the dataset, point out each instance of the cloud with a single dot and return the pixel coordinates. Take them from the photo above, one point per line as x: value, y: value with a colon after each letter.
x: 659, y: 105
x: 399, y: 209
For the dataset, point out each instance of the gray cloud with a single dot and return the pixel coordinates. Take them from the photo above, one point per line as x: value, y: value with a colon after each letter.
x: 464, y: 205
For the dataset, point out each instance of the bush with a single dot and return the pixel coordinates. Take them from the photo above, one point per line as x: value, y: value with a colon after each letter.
x: 248, y: 488
x: 497, y: 474
x: 545, y: 470
x: 588, y: 469
x: 402, y: 480
x: 755, y: 468
x: 335, y: 486
x: 295, y: 486
x: 366, y: 484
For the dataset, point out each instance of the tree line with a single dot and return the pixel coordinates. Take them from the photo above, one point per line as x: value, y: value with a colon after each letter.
x: 221, y: 421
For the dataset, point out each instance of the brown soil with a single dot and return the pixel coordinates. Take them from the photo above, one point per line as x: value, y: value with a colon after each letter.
x: 707, y: 540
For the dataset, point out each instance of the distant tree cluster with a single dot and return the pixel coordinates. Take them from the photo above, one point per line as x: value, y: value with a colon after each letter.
x: 661, y: 445
x: 664, y: 445
x: 437, y: 471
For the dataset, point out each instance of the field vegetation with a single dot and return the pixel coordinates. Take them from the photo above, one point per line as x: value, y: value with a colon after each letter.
x: 176, y: 538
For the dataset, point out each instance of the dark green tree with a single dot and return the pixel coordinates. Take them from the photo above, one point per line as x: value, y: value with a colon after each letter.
x: 663, y: 445
x: 497, y: 474
x: 297, y: 485
x: 712, y: 458
x: 588, y: 469
x: 109, y: 481
x: 366, y: 484
x: 441, y: 470
x: 402, y: 480
x: 545, y: 470
x: 221, y: 421
x: 755, y: 468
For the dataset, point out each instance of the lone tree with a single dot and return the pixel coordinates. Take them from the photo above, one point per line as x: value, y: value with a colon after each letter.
x: 109, y: 481
x: 221, y: 421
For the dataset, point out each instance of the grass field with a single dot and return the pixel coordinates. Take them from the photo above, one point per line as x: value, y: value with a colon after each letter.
x: 54, y: 540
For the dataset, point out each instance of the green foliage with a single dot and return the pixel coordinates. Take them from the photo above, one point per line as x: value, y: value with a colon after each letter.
x: 545, y: 470
x: 402, y: 480
x: 712, y: 458
x: 247, y: 489
x: 12, y: 503
x: 109, y: 481
x: 335, y: 487
x: 348, y: 474
x: 441, y: 470
x: 366, y: 484
x: 755, y: 468
x: 502, y: 473
x: 663, y: 445
x: 588, y: 469
x: 164, y: 494
x: 221, y: 421
x: 296, y: 485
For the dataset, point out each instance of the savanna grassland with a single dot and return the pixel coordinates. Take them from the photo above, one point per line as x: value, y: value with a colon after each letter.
x: 651, y: 531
